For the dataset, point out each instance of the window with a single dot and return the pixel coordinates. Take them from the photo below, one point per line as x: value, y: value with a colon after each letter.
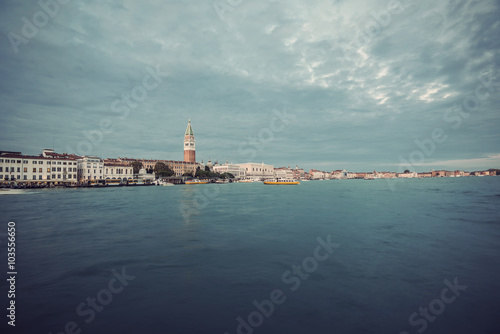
x: 40, y: 162
x: 40, y: 169
x: 48, y: 170
x: 34, y: 170
x: 88, y: 171
x: 69, y: 176
x: 34, y: 162
x: 53, y: 169
x: 18, y: 161
x: 53, y: 176
x: 34, y: 177
x: 64, y: 163
x: 7, y: 160
x: 18, y: 177
x: 48, y: 177
x: 58, y: 176
x: 19, y: 169
x: 1, y: 160
x: 39, y: 177
x: 58, y: 169
x: 48, y: 162
x: 25, y: 177
x: 1, y: 169
x: 58, y: 162
x: 106, y: 171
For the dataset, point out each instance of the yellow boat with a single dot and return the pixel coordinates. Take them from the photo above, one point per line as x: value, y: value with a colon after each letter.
x: 281, y: 182
x: 196, y: 182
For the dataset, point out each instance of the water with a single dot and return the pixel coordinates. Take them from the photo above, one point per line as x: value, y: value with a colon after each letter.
x: 201, y: 255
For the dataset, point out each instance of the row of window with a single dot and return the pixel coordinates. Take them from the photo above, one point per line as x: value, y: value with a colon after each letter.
x: 258, y: 170
x: 35, y: 162
x: 118, y: 171
x: 25, y: 177
x: 40, y: 170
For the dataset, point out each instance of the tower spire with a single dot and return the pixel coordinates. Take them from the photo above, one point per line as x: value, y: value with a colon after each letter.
x: 189, y: 144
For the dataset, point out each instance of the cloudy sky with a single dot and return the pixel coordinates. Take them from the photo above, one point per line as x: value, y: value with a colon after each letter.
x: 320, y: 84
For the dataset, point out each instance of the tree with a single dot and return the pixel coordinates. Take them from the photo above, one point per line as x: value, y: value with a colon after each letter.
x: 187, y: 174
x: 160, y: 167
x: 207, y: 169
x: 227, y: 176
x: 406, y: 171
x: 136, y: 165
x: 163, y: 170
x: 166, y: 173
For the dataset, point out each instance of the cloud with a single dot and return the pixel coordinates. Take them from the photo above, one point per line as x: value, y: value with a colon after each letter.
x: 354, y: 108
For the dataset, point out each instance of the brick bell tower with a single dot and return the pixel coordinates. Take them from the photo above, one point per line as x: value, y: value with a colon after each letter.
x: 189, y: 144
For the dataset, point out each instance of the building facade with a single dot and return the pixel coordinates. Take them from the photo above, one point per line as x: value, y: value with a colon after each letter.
x: 116, y: 171
x: 283, y: 173
x: 44, y: 168
x: 189, y: 145
x: 236, y: 170
x: 257, y: 171
x: 90, y: 168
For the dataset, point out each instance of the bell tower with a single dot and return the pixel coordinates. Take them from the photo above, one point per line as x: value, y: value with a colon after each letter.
x: 189, y: 144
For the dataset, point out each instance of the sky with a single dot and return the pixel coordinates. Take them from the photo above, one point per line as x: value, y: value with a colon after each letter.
x: 356, y: 85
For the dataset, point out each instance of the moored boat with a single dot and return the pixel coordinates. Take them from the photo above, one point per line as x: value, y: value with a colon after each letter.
x: 279, y: 181
x: 196, y: 181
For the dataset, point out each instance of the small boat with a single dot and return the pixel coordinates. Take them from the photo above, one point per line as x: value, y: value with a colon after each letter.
x: 281, y: 181
x: 196, y: 181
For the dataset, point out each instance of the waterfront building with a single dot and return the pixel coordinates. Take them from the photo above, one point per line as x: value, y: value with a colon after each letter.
x: 283, y: 172
x: 339, y: 174
x: 189, y: 145
x: 319, y: 175
x: 257, y: 171
x: 48, y: 167
x: 298, y: 173
x: 90, y: 168
x: 179, y: 167
x: 438, y: 173
x: 409, y: 175
x: 118, y: 171
x: 144, y: 177
x: 238, y: 171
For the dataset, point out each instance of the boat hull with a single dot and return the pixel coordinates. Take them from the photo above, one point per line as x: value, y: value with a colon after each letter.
x: 281, y: 183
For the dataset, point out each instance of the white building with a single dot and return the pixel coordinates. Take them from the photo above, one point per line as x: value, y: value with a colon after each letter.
x: 114, y: 171
x: 257, y: 171
x: 409, y: 175
x: 238, y: 171
x: 90, y: 168
x: 45, y: 168
x: 283, y: 172
x: 319, y: 175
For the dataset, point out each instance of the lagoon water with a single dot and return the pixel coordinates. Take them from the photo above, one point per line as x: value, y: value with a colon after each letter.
x: 193, y: 259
